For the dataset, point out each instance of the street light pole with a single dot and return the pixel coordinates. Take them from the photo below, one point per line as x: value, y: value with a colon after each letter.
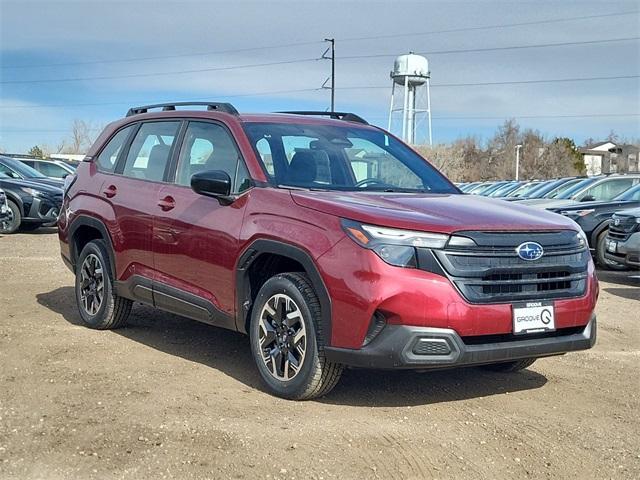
x: 518, y: 147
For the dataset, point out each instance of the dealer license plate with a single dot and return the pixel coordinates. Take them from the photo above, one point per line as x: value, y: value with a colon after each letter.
x: 533, y: 317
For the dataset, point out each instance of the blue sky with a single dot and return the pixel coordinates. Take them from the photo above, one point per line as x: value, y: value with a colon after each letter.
x: 134, y: 47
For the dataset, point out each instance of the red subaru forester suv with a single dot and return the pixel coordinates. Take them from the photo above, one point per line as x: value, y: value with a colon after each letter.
x: 328, y: 241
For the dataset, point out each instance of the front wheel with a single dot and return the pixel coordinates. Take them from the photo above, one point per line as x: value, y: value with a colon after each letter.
x: 286, y: 339
x: 11, y: 223
x: 603, y: 261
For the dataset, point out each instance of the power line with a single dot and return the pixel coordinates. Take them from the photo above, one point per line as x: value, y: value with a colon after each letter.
x: 155, y: 74
x: 507, y: 82
x: 495, y: 49
x: 487, y: 27
x: 305, y: 60
x: 298, y: 44
x: 140, y: 102
x: 318, y: 89
x: 163, y: 57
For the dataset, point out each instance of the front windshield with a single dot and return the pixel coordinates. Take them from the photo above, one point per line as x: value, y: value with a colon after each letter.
x: 575, y: 189
x: 23, y: 170
x: 632, y: 194
x: 560, y: 189
x: 506, y: 189
x: 536, y: 188
x: 546, y: 188
x: 523, y: 190
x: 329, y: 157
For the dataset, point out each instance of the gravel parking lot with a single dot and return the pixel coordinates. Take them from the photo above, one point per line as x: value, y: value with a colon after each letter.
x: 171, y: 398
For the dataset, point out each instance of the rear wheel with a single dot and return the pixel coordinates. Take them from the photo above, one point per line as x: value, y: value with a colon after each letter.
x: 601, y: 247
x: 99, y: 306
x: 286, y: 339
x: 12, y: 222
x: 510, y: 366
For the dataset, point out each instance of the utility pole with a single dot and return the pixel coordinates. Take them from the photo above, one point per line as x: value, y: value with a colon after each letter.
x: 518, y: 147
x: 333, y: 70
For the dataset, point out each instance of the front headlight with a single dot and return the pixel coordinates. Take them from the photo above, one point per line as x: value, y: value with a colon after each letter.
x: 33, y: 192
x: 577, y: 213
x: 394, y: 246
x: 583, y: 241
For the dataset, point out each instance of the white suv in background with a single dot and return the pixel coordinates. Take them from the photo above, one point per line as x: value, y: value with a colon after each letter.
x: 49, y: 168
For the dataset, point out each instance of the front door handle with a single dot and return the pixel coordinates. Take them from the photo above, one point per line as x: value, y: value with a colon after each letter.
x: 167, y: 203
x: 110, y: 191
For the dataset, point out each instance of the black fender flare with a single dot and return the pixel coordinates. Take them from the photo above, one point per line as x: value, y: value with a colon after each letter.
x: 602, y: 226
x: 15, y: 199
x: 86, y: 221
x: 243, y: 288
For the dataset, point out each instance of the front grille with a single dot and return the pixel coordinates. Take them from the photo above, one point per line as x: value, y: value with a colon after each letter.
x: 621, y: 227
x: 492, y: 272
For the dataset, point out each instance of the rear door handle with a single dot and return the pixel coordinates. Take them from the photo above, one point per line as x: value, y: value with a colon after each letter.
x: 110, y: 191
x: 167, y: 203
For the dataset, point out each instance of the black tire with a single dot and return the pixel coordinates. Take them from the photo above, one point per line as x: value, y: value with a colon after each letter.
x: 30, y: 227
x: 315, y: 376
x: 10, y: 225
x: 113, y: 310
x: 510, y: 366
x: 601, y: 259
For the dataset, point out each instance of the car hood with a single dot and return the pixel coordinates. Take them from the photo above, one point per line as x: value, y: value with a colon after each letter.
x: 445, y: 213
x: 595, y: 205
x: 9, y: 183
x: 548, y: 203
x: 52, y: 182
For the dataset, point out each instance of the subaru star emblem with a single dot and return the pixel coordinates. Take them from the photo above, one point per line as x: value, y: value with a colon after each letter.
x: 530, y: 251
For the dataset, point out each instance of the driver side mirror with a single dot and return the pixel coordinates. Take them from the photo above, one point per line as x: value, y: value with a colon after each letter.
x: 213, y: 183
x: 588, y: 198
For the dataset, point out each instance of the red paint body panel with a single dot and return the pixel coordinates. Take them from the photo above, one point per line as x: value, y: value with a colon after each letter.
x: 196, y: 245
x: 360, y: 283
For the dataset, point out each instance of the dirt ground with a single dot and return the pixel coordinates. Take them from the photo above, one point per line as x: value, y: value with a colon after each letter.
x: 171, y: 398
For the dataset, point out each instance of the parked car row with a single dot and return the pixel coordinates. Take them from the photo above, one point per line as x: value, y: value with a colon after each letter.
x: 32, y: 199
x: 589, y: 201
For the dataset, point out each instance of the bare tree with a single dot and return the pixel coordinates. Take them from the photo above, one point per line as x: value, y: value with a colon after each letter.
x: 81, y: 137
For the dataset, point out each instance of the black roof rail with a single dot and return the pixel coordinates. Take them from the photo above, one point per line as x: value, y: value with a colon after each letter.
x: 218, y: 106
x: 349, y: 117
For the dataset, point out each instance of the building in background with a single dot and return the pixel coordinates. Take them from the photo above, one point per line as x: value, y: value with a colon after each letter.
x: 607, y: 157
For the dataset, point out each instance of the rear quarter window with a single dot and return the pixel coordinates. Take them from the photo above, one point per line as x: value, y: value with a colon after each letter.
x: 106, y: 161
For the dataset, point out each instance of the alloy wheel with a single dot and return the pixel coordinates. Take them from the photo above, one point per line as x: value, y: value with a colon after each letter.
x: 91, y: 284
x: 7, y: 225
x: 282, y: 337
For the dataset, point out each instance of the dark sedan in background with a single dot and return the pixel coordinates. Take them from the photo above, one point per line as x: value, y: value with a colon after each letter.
x: 594, y: 217
x: 12, y: 168
x: 30, y: 204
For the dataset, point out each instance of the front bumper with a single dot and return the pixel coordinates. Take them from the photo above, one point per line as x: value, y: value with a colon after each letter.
x: 401, y: 346
x: 43, y: 210
x: 627, y: 252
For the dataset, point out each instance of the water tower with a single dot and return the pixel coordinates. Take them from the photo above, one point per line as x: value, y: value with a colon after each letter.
x: 412, y: 73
